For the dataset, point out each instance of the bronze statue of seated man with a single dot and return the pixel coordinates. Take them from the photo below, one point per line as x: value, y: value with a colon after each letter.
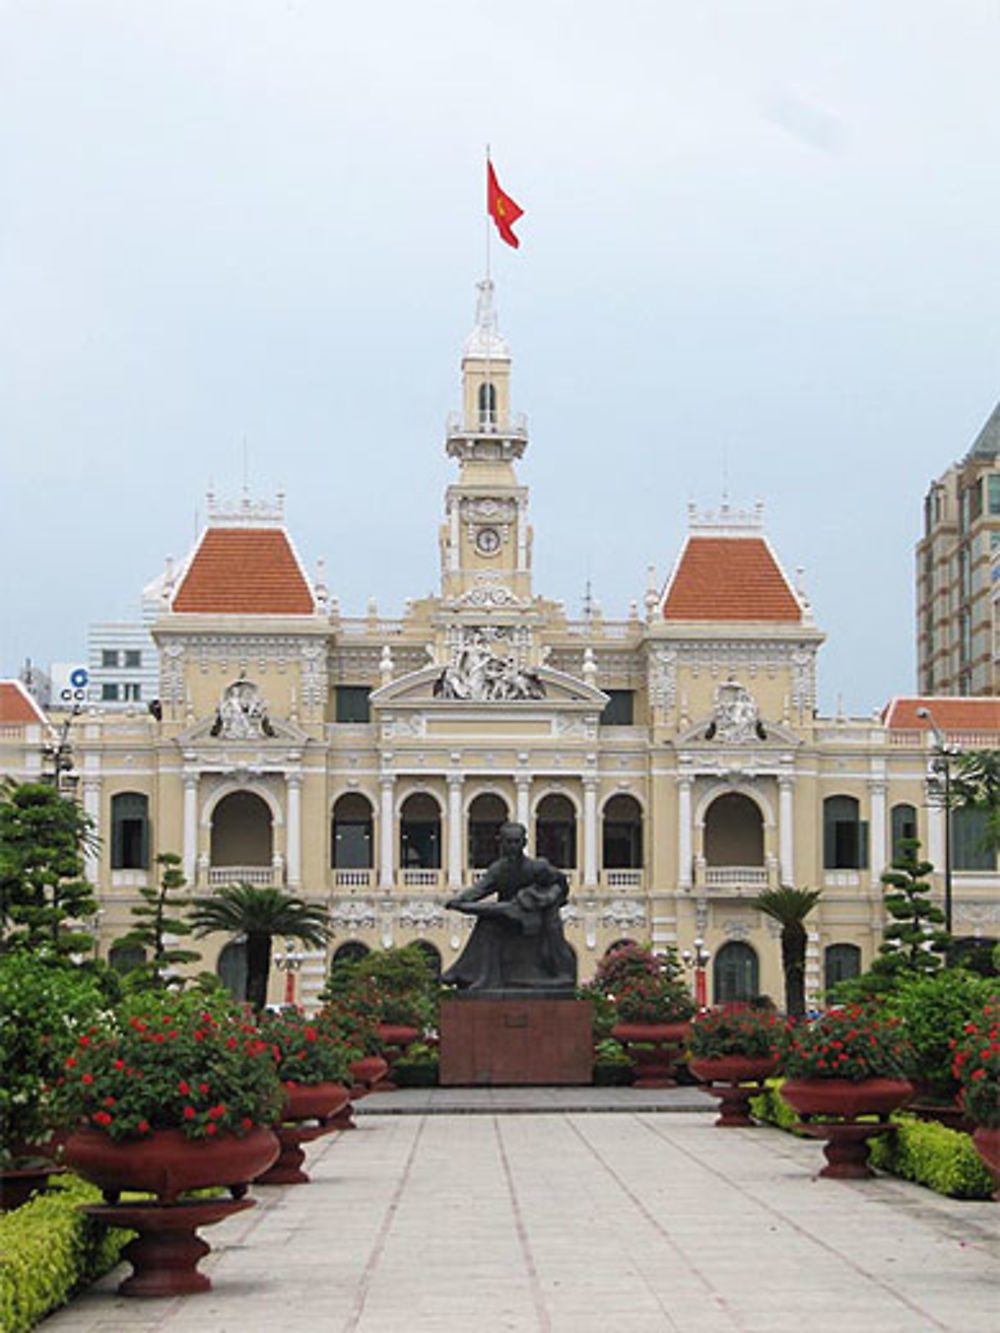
x: 517, y: 942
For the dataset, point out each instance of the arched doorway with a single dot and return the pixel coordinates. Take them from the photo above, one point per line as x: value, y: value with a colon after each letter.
x: 242, y: 832
x: 351, y: 833
x: 420, y: 833
x: 734, y: 831
x: 841, y: 962
x: 486, y: 814
x: 555, y: 831
x: 432, y: 954
x: 622, y: 841
x: 736, y: 973
x: 232, y: 968
x: 351, y: 951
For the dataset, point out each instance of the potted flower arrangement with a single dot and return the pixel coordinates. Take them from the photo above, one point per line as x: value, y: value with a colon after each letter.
x: 976, y: 1066
x: 652, y: 1008
x: 45, y: 1006
x: 314, y: 1067
x: 732, y: 1048
x: 350, y: 1015
x: 173, y: 1093
x: 846, y: 1064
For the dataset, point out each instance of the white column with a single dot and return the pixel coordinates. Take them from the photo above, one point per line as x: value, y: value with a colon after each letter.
x: 454, y: 831
x: 191, y: 828
x: 684, y: 832
x: 522, y: 538
x: 293, y: 837
x: 935, y: 837
x: 522, y: 812
x: 92, y: 809
x: 876, y: 831
x: 454, y: 537
x: 589, y: 831
x: 786, y: 830
x: 387, y: 834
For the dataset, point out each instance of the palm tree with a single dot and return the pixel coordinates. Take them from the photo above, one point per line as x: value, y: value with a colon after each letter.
x: 790, y: 907
x: 260, y: 914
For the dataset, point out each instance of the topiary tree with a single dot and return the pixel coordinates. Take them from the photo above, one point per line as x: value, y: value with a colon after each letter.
x: 790, y: 907
x: 154, y: 924
x: 43, y: 894
x: 260, y: 914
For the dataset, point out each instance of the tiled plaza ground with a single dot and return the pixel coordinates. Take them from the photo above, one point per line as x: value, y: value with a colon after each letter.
x: 628, y: 1219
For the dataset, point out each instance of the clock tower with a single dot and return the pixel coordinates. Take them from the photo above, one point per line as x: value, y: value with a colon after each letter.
x: 485, y: 539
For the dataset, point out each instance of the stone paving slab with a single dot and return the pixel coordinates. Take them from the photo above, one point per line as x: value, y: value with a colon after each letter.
x: 571, y: 1222
x: 531, y: 1100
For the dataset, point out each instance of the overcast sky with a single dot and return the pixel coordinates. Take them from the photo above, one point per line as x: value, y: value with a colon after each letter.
x: 759, y: 251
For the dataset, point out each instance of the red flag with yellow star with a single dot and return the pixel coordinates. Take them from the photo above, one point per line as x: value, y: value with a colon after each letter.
x: 501, y: 207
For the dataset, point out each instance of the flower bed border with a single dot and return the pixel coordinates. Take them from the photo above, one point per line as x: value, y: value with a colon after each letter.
x: 49, y: 1250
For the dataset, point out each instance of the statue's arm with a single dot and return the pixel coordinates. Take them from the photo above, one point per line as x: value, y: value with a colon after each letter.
x: 474, y: 893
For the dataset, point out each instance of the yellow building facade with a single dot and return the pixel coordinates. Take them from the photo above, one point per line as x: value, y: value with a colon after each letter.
x: 673, y: 763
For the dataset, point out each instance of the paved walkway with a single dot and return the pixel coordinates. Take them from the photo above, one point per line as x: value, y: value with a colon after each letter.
x: 570, y: 1221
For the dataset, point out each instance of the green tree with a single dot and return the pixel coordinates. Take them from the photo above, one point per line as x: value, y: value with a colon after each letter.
x: 975, y: 784
x: 155, y: 924
x: 260, y: 914
x: 790, y: 907
x: 43, y: 894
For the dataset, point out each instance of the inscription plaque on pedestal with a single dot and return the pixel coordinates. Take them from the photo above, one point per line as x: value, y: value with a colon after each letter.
x: 505, y: 1040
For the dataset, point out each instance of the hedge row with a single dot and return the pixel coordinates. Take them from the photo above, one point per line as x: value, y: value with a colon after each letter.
x: 49, y: 1250
x: 920, y: 1150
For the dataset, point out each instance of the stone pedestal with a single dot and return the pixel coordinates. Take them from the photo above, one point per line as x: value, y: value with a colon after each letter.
x: 500, y: 1039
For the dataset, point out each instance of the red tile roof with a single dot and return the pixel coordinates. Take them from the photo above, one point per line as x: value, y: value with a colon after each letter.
x: 950, y: 714
x: 245, y: 571
x: 729, y: 578
x: 17, y: 705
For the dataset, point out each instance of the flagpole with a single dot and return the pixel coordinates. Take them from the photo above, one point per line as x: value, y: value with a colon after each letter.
x: 487, y: 218
x: 490, y: 414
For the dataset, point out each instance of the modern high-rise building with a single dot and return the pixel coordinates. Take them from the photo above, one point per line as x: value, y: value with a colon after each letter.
x: 955, y: 641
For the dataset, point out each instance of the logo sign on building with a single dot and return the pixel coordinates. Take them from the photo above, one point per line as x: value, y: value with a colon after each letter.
x: 69, y: 685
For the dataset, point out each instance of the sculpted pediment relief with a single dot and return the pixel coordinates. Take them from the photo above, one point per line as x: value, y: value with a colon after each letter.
x: 775, y: 735
x: 537, y: 688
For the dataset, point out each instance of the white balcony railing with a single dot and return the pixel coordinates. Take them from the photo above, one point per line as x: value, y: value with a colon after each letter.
x: 841, y: 879
x: 420, y: 879
x: 622, y: 879
x: 353, y: 879
x: 260, y: 876
x: 735, y: 877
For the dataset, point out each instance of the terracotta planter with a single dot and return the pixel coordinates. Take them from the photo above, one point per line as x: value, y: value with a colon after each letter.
x: 19, y: 1183
x: 653, y: 1068
x: 395, y: 1037
x: 830, y: 1108
x: 314, y: 1101
x: 844, y: 1098
x: 731, y: 1074
x: 986, y: 1140
x: 167, y: 1164
x: 366, y: 1073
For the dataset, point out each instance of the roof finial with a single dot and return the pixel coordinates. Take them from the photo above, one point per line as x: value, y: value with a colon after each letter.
x: 485, y: 339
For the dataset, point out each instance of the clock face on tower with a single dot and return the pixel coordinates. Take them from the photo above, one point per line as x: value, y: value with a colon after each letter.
x: 487, y: 541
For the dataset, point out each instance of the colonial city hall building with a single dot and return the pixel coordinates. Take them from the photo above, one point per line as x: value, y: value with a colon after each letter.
x: 672, y: 763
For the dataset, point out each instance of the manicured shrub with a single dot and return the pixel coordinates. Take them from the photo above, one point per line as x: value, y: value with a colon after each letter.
x: 49, y: 1249
x: 935, y: 1010
x: 930, y: 1154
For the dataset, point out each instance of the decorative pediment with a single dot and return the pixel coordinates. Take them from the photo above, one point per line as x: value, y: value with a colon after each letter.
x: 555, y: 689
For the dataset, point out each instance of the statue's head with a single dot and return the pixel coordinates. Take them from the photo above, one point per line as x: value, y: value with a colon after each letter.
x: 512, y: 840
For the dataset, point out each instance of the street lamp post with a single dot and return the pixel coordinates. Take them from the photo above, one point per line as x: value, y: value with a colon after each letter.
x: 698, y: 959
x: 941, y: 765
x: 289, y: 962
x: 57, y: 753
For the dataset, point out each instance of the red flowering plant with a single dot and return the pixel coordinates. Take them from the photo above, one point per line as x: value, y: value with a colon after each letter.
x: 643, y: 987
x: 756, y: 1033
x: 170, y: 1062
x: 976, y: 1065
x: 857, y: 1042
x: 306, y: 1051
x: 351, y: 1018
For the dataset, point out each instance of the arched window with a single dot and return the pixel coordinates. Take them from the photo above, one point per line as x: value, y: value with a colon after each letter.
x: 486, y: 814
x: 432, y: 954
x: 734, y: 831
x: 129, y: 831
x: 904, y: 827
x: 241, y: 831
x: 232, y: 968
x: 735, y: 973
x: 351, y: 833
x: 351, y: 951
x: 487, y: 404
x: 974, y: 953
x: 420, y: 833
x: 125, y: 958
x: 555, y: 831
x: 622, y: 842
x: 841, y: 962
x: 619, y: 944
x: 845, y: 835
x: 970, y: 841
